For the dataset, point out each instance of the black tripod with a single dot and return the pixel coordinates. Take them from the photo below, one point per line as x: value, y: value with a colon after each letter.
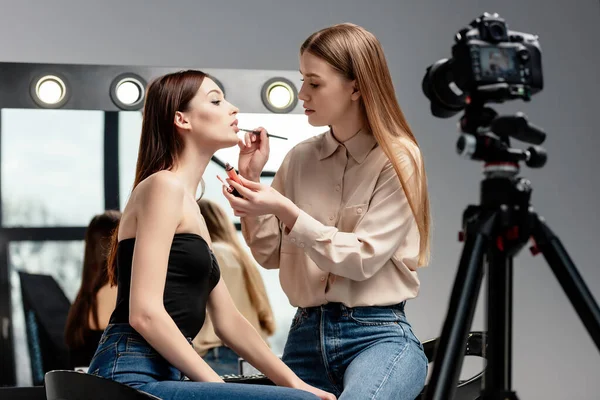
x: 497, y: 229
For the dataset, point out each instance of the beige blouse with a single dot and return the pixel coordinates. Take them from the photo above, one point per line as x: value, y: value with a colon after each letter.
x: 356, y: 240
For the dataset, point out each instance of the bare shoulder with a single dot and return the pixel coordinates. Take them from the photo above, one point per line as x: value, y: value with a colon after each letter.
x: 160, y: 191
x: 160, y: 185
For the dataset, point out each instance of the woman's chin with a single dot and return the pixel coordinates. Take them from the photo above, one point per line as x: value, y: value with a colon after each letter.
x: 230, y: 142
x: 316, y: 123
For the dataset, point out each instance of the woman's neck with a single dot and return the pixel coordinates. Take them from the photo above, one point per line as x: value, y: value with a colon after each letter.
x: 348, y: 126
x: 190, y: 167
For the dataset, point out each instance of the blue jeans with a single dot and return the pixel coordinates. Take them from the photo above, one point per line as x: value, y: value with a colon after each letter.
x: 124, y: 356
x: 357, y: 353
x: 222, y: 360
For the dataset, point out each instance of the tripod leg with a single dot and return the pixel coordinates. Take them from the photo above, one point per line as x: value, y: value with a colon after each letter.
x: 498, y: 373
x: 569, y: 278
x: 450, y: 350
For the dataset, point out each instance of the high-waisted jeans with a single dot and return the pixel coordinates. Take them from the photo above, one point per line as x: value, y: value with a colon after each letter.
x: 357, y: 353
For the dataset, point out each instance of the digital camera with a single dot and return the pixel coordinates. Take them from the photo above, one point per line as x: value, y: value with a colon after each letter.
x: 489, y: 63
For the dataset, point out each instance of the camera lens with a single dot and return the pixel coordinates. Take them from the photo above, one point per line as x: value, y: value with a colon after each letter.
x: 440, y: 86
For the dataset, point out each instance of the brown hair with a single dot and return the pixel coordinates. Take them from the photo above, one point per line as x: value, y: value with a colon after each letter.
x: 357, y: 55
x: 160, y: 144
x: 221, y: 229
x: 94, y: 277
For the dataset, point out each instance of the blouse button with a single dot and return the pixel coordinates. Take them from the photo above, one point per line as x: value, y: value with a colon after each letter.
x: 359, y: 210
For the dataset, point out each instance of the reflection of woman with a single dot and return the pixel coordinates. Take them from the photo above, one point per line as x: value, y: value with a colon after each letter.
x: 244, y: 284
x: 498, y: 61
x: 161, y: 257
x: 346, y: 222
x: 95, y: 301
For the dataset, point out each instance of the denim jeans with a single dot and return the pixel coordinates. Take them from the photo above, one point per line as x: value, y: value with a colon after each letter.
x: 124, y: 356
x: 222, y: 360
x: 357, y: 353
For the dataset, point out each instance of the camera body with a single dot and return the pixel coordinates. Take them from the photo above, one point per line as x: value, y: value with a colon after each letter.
x: 490, y: 54
x: 489, y: 62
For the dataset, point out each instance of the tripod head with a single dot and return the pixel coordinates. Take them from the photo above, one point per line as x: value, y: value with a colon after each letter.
x: 486, y: 137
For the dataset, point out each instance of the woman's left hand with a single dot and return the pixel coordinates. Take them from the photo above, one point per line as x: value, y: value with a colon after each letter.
x: 259, y: 199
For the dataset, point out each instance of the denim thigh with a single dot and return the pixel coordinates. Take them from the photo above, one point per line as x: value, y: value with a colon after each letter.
x: 360, y: 352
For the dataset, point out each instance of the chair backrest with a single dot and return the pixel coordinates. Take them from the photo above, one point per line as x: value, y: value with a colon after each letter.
x: 469, y: 389
x: 71, y: 385
x: 46, y: 308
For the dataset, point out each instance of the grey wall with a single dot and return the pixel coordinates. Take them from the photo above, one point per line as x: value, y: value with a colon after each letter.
x: 553, y: 355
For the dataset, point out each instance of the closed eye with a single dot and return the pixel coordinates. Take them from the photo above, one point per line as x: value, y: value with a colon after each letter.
x: 313, y: 85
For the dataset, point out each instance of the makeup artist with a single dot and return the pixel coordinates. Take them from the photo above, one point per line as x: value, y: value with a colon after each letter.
x: 346, y: 222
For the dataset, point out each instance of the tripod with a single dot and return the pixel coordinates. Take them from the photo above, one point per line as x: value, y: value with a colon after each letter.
x: 496, y: 230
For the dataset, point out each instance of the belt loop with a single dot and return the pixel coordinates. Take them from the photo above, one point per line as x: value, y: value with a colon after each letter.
x: 344, y: 310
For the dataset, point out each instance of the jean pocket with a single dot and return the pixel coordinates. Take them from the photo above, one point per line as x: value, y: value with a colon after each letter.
x: 373, y: 316
x: 138, y: 347
x: 299, y: 317
x: 410, y: 335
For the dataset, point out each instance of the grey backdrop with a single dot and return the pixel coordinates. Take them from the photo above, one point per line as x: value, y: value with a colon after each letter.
x: 553, y: 355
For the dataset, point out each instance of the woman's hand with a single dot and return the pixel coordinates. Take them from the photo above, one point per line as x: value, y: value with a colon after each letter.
x: 323, y: 395
x: 254, y: 154
x: 259, y: 199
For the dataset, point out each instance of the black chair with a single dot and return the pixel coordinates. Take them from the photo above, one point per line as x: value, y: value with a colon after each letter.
x: 23, y: 393
x: 468, y: 389
x: 72, y: 385
x: 46, y: 308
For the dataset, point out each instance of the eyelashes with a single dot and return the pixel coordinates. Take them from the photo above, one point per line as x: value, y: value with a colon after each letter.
x: 313, y: 85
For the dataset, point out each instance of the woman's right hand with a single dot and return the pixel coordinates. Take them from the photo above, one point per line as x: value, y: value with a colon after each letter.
x: 321, y: 394
x: 254, y: 154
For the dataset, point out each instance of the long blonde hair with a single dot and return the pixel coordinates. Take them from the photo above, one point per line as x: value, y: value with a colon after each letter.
x: 357, y: 54
x: 221, y: 229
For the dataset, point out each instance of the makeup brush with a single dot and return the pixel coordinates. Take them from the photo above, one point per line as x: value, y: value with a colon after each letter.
x: 258, y: 133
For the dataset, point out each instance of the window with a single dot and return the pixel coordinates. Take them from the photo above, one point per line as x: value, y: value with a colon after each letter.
x: 52, y: 167
x: 130, y: 130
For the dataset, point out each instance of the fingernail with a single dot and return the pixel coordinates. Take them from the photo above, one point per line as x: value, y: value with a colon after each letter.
x: 253, y: 138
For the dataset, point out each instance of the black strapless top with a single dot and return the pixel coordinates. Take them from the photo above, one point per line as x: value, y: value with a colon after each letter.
x: 192, y: 273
